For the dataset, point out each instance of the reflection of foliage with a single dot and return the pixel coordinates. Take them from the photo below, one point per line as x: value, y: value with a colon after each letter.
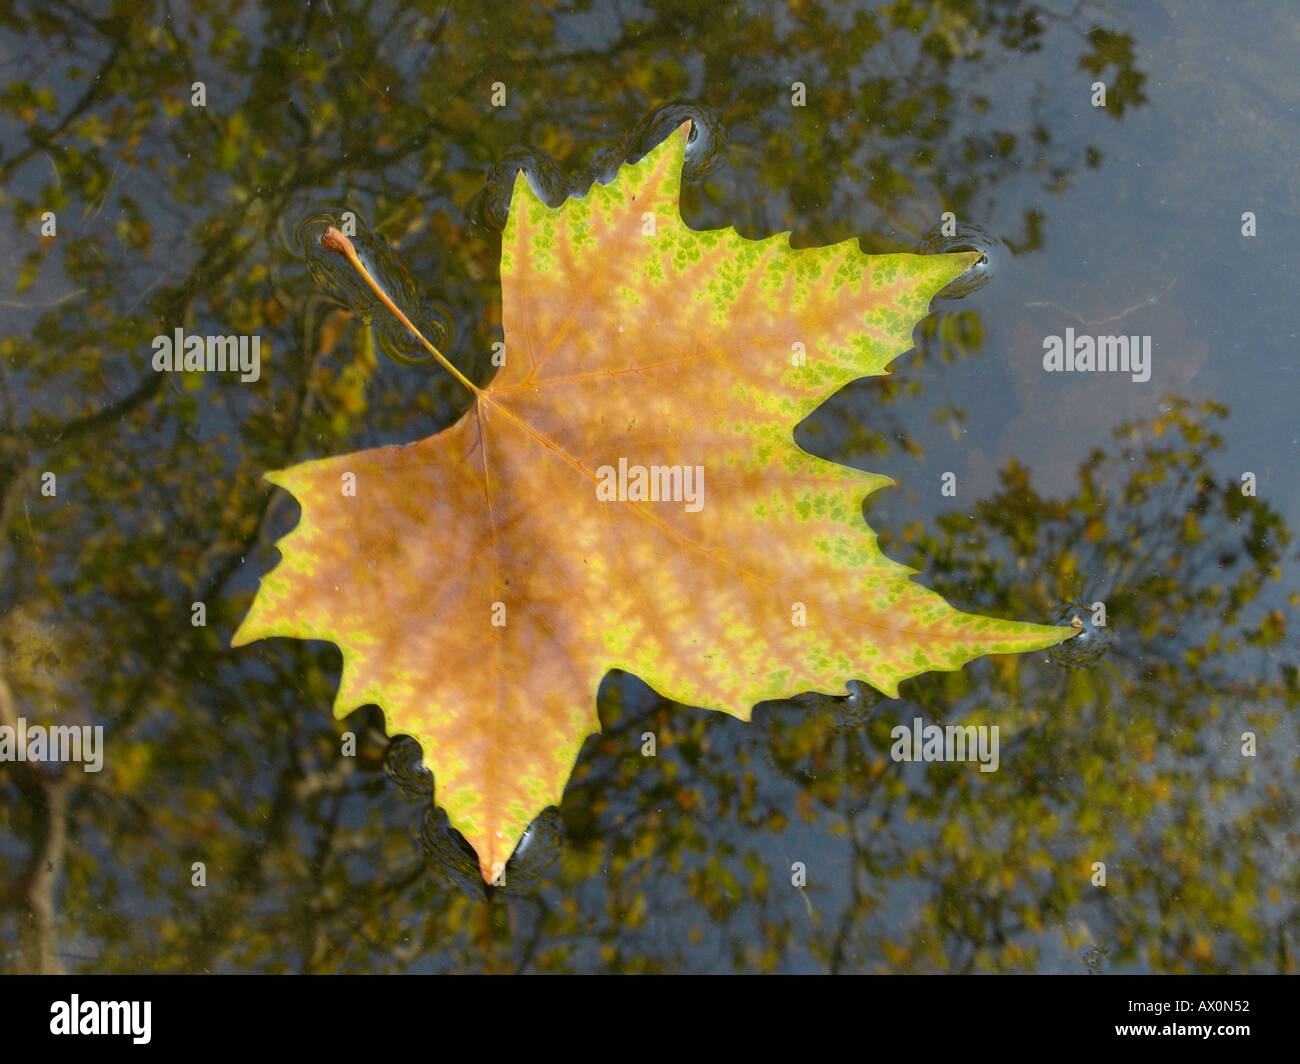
x: 1135, y: 762
x: 171, y: 216
x: 1111, y: 49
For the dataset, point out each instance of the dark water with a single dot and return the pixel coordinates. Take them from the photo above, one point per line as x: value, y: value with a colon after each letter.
x: 1072, y: 488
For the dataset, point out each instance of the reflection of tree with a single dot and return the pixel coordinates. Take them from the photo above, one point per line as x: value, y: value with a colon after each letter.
x: 173, y: 216
x: 1135, y: 762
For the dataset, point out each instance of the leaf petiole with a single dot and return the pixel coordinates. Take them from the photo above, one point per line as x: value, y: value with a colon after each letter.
x: 335, y: 241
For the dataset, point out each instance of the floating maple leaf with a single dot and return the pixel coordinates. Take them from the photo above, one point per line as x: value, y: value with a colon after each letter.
x: 481, y: 582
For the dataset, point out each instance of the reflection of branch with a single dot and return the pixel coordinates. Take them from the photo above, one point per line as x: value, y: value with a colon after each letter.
x: 311, y: 939
x: 856, y: 895
x: 39, y: 940
x: 6, y: 397
x: 13, y: 470
x: 216, y: 262
x: 40, y: 139
x: 35, y: 890
x: 88, y: 423
x: 220, y: 919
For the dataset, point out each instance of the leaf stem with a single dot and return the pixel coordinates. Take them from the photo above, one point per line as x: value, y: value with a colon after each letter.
x: 335, y: 241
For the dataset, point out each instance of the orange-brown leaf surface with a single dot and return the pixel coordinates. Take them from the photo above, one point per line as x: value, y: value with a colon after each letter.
x: 626, y: 493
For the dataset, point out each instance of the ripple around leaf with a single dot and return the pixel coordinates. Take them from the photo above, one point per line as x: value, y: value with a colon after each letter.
x: 536, y: 854
x: 553, y: 186
x: 703, y: 149
x: 530, y: 864
x: 853, y: 712
x: 451, y: 855
x: 1088, y: 646
x: 969, y: 237
x: 491, y: 207
x: 404, y: 765
x: 340, y: 282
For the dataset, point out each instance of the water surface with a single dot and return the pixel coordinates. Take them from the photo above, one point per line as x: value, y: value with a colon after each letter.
x: 1072, y: 488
